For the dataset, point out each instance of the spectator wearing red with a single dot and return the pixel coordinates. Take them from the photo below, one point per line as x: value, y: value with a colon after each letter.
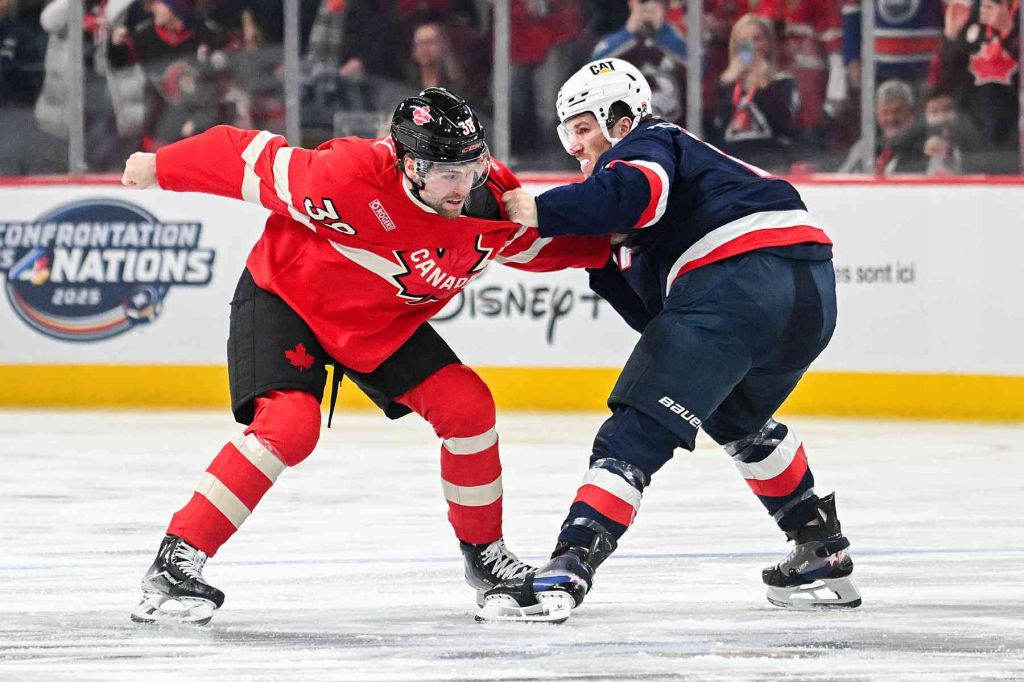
x: 717, y: 22
x: 812, y: 35
x: 542, y: 56
x: 169, y: 45
x: 978, y: 64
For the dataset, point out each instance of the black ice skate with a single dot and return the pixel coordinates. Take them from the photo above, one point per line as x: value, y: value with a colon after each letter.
x: 816, y: 573
x: 490, y: 564
x: 550, y: 593
x: 173, y: 589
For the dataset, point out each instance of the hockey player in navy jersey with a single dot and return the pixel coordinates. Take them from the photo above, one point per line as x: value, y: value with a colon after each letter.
x: 730, y: 281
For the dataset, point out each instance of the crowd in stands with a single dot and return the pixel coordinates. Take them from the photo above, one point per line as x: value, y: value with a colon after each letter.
x: 781, y: 79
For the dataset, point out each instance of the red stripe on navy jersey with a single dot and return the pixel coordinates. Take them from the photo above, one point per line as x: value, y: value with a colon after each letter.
x: 656, y: 186
x: 603, y: 502
x: 907, y: 45
x: 786, y: 482
x: 759, y: 239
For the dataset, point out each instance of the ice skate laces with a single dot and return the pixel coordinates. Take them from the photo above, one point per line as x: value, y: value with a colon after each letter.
x: 189, y: 560
x: 506, y: 564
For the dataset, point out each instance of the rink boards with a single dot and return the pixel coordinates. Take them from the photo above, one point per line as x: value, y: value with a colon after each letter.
x: 118, y: 298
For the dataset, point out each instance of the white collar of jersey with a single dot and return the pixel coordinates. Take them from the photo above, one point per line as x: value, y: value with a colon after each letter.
x: 407, y: 186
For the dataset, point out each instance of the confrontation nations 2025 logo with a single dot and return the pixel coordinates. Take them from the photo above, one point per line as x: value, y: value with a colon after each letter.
x: 93, y: 269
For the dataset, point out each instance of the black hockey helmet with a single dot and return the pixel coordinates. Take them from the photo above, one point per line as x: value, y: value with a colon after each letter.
x: 437, y: 125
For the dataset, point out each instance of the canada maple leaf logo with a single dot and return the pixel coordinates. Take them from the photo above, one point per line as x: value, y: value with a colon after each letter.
x: 441, y: 273
x: 993, y: 64
x: 421, y: 115
x: 299, y: 357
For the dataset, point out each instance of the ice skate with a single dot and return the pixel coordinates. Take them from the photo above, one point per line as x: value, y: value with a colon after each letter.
x: 816, y: 573
x: 173, y: 589
x: 548, y: 594
x: 490, y: 564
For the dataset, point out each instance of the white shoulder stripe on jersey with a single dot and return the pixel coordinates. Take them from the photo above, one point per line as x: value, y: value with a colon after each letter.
x: 526, y: 255
x: 519, y: 233
x: 282, y: 160
x: 511, y: 240
x: 661, y: 200
x: 766, y: 220
x: 250, y: 155
x: 378, y: 265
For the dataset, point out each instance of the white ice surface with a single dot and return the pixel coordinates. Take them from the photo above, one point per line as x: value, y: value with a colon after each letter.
x: 349, y: 571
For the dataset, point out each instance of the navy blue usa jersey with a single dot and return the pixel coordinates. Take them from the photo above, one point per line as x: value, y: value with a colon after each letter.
x: 683, y: 204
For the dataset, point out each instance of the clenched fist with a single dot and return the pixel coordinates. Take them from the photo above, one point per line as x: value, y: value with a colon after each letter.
x: 139, y: 171
x: 521, y: 207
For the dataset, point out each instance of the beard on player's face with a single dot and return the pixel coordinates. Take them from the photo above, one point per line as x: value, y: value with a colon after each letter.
x: 446, y: 197
x: 446, y: 200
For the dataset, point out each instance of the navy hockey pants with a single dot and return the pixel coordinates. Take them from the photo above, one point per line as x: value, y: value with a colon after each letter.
x: 730, y: 345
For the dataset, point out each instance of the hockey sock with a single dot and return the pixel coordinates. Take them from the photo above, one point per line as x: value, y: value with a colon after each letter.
x: 283, y: 433
x: 607, y: 501
x: 459, y: 406
x: 775, y: 467
x: 609, y: 497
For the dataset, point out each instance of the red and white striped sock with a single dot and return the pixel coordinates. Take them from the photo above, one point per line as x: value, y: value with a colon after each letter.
x: 229, y: 490
x: 471, y: 479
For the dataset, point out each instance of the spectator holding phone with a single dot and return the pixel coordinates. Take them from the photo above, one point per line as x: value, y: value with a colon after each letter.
x: 757, y: 103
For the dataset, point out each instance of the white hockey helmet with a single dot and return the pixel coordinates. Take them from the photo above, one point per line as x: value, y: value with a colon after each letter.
x: 595, y: 88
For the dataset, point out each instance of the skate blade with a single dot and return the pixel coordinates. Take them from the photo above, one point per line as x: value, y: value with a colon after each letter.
x: 552, y: 608
x: 159, y: 609
x: 829, y: 593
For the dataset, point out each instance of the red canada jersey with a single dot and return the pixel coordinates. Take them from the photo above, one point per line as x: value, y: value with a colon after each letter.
x: 349, y: 246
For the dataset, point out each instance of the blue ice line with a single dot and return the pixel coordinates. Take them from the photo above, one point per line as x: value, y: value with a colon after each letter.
x: 990, y: 551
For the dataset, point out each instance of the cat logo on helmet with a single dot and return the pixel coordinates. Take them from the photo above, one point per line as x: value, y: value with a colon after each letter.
x: 595, y: 88
x: 421, y: 115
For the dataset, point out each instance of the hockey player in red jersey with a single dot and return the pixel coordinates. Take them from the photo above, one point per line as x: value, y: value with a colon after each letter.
x: 366, y: 242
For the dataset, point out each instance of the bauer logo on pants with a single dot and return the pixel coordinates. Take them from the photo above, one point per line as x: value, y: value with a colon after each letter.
x: 94, y: 269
